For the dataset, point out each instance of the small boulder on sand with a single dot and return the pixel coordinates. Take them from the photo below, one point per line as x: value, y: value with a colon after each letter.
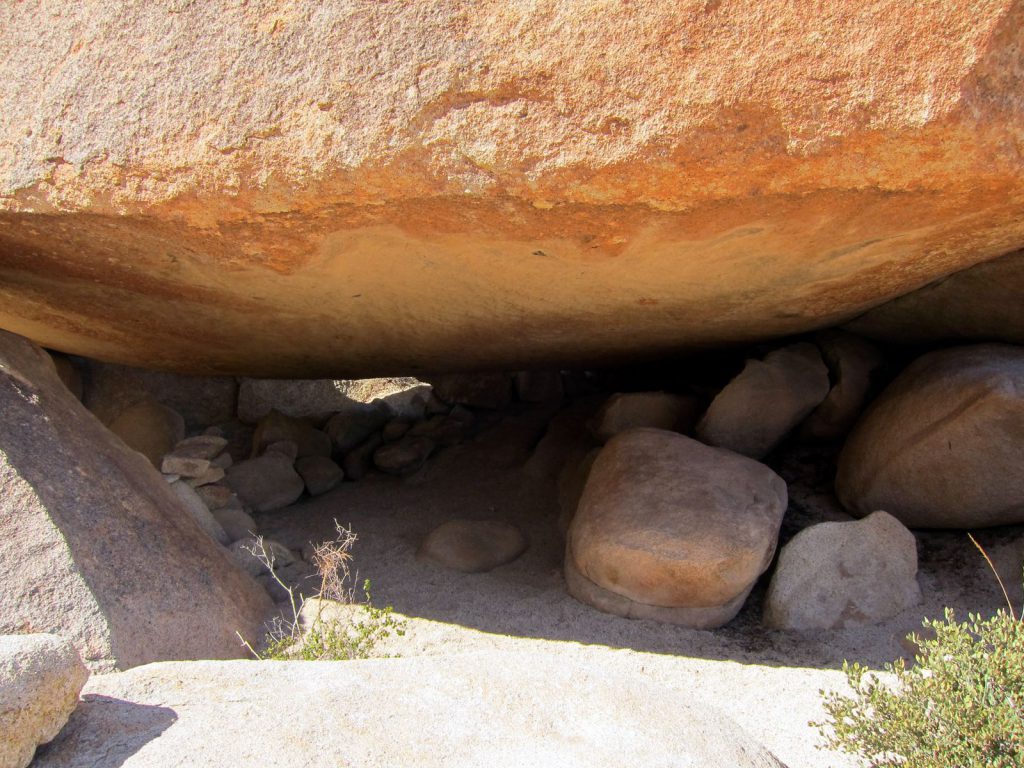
x: 672, y: 530
x: 265, y: 483
x: 319, y: 473
x: 472, y: 546
x: 836, y: 575
x: 769, y: 397
x: 41, y: 676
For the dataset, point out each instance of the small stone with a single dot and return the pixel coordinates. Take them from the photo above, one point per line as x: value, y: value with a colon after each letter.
x: 223, y: 461
x: 395, y: 429
x: 769, y: 397
x: 236, y: 522
x: 200, y: 447
x: 150, y: 428
x: 171, y: 478
x: 283, y: 447
x: 265, y: 483
x: 472, y: 546
x: 404, y: 457
x: 358, y: 462
x: 443, y: 430
x: 211, y: 475
x: 195, y: 506
x: 216, y: 496
x: 184, y: 466
x: 41, y: 677
x: 835, y: 575
x: 631, y: 410
x: 276, y: 426
x: 352, y: 427
x: 319, y: 473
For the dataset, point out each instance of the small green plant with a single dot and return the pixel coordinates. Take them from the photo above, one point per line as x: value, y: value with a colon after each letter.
x: 326, y: 637
x: 960, y: 705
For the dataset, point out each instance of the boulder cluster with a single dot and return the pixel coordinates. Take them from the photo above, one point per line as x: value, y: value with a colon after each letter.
x: 676, y: 517
x: 280, y: 441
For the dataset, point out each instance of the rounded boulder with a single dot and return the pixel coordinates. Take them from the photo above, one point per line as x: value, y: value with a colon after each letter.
x: 671, y: 529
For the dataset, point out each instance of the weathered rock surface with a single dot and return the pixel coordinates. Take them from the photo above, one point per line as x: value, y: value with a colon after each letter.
x: 941, y: 447
x: 150, y: 428
x: 265, y: 483
x: 472, y: 546
x: 485, y: 709
x: 673, y: 530
x: 765, y: 401
x: 93, y: 543
x: 851, y: 363
x: 632, y: 410
x: 835, y: 575
x: 980, y: 303
x: 763, y: 169
x: 40, y: 678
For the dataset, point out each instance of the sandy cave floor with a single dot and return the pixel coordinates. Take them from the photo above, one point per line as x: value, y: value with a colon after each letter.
x: 767, y: 680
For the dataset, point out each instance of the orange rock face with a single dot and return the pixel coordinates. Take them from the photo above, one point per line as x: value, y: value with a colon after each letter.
x: 289, y: 188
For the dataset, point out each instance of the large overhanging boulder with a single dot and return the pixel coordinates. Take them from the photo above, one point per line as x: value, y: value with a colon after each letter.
x: 316, y: 189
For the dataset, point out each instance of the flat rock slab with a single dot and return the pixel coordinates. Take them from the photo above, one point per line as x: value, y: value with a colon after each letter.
x: 386, y: 201
x: 487, y: 709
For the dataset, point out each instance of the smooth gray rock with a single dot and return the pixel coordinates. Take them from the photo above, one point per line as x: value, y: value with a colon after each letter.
x: 499, y: 710
x: 836, y: 575
x: 404, y: 456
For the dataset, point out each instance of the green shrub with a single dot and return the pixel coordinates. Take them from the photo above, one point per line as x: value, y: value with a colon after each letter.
x: 334, y: 640
x: 961, y: 704
x: 326, y: 639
